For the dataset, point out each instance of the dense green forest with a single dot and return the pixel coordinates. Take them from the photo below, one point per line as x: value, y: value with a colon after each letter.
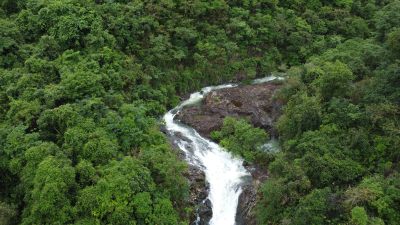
x: 241, y: 138
x: 84, y: 82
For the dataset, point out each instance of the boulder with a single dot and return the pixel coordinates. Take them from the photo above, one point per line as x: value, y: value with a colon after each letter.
x: 255, y: 102
x: 245, y: 212
x: 199, y: 189
x: 205, y: 212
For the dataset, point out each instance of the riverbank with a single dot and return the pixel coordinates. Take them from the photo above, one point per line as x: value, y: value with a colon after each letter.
x: 254, y: 102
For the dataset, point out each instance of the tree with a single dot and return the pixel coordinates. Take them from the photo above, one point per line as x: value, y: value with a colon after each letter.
x: 302, y: 113
x: 313, y: 208
x: 387, y: 19
x: 18, y: 141
x: 33, y: 156
x: 282, y: 191
x: 125, y: 194
x: 85, y: 173
x: 330, y: 170
x: 7, y: 213
x: 393, y: 41
x: 99, y: 148
x: 335, y: 81
x: 359, y: 216
x: 240, y: 137
x: 343, y: 113
x: 164, y: 167
x: 83, y: 84
x: 54, y: 122
x: 24, y: 112
x: 50, y: 201
x: 361, y: 56
x: 9, y: 43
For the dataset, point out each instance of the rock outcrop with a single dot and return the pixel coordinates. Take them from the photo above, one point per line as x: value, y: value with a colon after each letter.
x: 255, y: 102
x: 198, y: 195
x: 245, y: 213
x: 198, y: 185
x: 204, y: 211
x: 245, y: 210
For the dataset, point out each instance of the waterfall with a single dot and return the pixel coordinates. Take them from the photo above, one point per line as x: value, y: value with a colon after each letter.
x: 224, y: 172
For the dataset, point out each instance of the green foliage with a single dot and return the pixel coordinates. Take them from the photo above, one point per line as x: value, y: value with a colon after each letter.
x: 284, y: 189
x: 241, y: 138
x: 49, y: 200
x: 312, y: 209
x: 359, y: 216
x: 361, y: 56
x: 387, y: 19
x: 82, y: 84
x: 99, y: 149
x: 67, y: 83
x: 7, y: 212
x: 110, y: 198
x: 335, y: 80
x: 302, y: 113
x: 339, y: 129
x: 393, y: 41
x: 9, y: 41
x: 85, y: 173
x: 164, y: 168
x: 23, y: 112
x: 330, y: 170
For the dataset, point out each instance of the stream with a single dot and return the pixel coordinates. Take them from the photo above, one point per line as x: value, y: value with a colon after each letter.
x: 224, y: 172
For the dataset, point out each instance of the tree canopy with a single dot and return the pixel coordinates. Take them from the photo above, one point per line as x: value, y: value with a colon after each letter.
x: 84, y: 82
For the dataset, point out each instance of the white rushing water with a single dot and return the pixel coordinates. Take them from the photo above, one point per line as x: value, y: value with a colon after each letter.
x: 266, y: 79
x: 224, y: 172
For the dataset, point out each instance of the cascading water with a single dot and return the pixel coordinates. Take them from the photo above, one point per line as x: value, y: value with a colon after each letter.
x: 224, y: 172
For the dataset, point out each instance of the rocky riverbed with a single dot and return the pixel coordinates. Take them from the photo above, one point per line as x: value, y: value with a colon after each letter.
x: 199, y: 189
x: 255, y: 102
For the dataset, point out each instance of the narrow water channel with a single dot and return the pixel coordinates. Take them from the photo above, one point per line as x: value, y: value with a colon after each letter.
x: 224, y: 172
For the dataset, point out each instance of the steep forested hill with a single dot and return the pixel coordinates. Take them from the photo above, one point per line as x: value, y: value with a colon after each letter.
x: 83, y: 82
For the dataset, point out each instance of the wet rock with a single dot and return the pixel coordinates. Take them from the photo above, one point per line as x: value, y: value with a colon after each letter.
x: 180, y: 136
x: 205, y: 212
x: 198, y: 185
x: 245, y: 213
x: 163, y: 129
x: 199, y: 189
x: 255, y: 102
